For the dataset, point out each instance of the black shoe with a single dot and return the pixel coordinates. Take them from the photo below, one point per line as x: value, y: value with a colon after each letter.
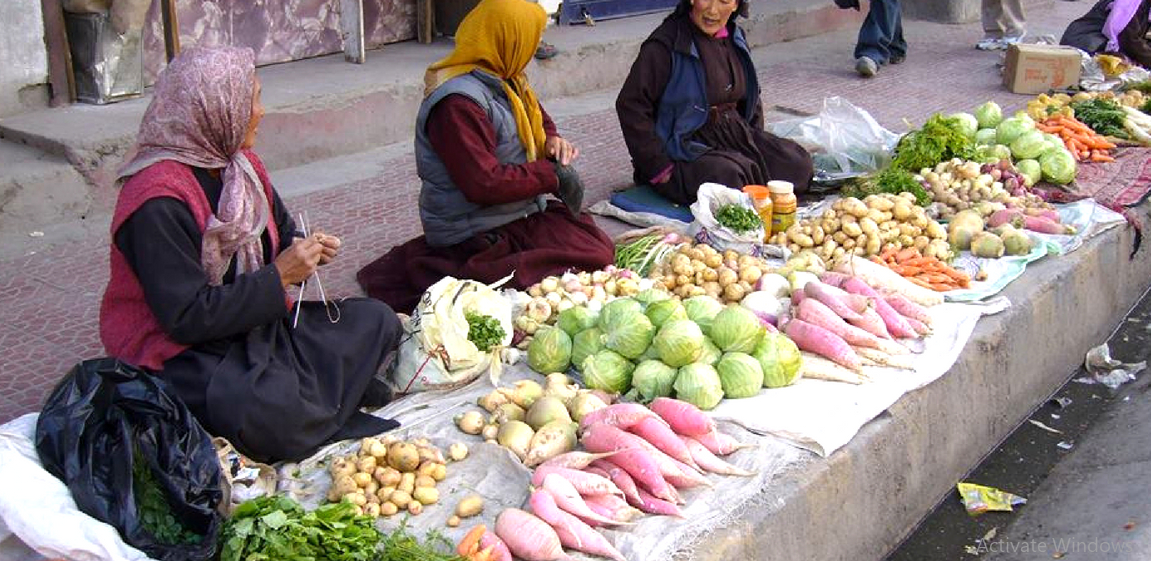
x: 896, y: 59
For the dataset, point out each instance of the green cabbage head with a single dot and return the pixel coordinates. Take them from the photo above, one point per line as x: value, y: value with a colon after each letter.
x: 679, y: 342
x: 1030, y: 171
x: 586, y: 343
x: 576, y: 319
x: 988, y: 115
x: 550, y: 351
x: 740, y: 375
x: 630, y: 335
x: 699, y: 385
x: 1058, y: 166
x: 701, y: 310
x: 965, y: 123
x: 736, y: 329
x: 665, y: 310
x: 653, y: 379
x: 985, y: 137
x: 780, y: 360
x: 607, y: 371
x: 1029, y: 145
x: 616, y: 309
x: 1010, y: 129
x: 710, y: 353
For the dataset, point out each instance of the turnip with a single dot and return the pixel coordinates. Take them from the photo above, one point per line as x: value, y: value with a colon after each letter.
x: 528, y: 537
x: 572, y: 531
x: 584, y: 482
x: 721, y: 444
x: 569, y: 499
x: 818, y: 340
x: 683, y: 418
x: 710, y: 462
x: 658, y: 434
x: 618, y: 476
x: 621, y: 415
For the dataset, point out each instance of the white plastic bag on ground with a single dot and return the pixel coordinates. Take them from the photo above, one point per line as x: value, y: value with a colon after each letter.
x: 706, y: 229
x: 436, y: 353
x: 844, y: 140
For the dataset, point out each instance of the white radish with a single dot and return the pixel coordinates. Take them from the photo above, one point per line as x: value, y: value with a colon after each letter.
x: 710, y: 462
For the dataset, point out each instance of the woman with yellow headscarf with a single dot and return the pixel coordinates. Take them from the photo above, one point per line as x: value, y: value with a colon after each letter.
x: 488, y: 156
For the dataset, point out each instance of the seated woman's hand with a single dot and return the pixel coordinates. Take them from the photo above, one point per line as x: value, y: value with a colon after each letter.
x: 299, y: 261
x: 331, y: 245
x: 560, y: 150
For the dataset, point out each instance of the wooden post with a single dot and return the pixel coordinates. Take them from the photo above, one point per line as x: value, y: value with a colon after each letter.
x: 425, y: 21
x: 171, y: 28
x: 352, y: 30
x: 63, y: 88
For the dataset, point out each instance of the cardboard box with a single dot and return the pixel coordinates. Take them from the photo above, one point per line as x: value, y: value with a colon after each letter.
x: 1035, y: 69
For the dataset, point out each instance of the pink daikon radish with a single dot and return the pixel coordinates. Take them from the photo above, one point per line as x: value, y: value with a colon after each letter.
x: 499, y: 548
x: 814, y: 312
x: 815, y: 339
x: 528, y: 537
x: 815, y: 367
x: 908, y: 309
x: 1003, y: 216
x: 710, y: 461
x: 721, y: 444
x: 644, y: 471
x: 683, y: 418
x: 887, y: 282
x: 669, y: 468
x: 686, y: 477
x: 585, y: 483
x: 658, y: 434
x: 652, y: 505
x: 896, y: 323
x: 1047, y: 213
x: 797, y: 297
x: 1043, y: 225
x: 622, y: 415
x: 613, y: 507
x: 574, y: 460
x: 569, y: 499
x: 883, y: 359
x: 871, y: 322
x: 823, y: 293
x: 918, y: 326
x: 618, y: 476
x: 832, y: 278
x: 572, y: 531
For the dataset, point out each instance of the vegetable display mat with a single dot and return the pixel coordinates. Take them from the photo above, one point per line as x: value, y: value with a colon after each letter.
x: 823, y: 416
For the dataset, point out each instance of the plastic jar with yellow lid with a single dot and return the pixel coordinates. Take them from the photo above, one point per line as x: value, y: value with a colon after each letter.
x: 784, y: 205
x: 761, y: 200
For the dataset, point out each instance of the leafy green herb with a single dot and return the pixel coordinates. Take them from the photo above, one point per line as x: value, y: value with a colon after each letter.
x: 153, y: 508
x: 1144, y: 86
x: 485, y: 331
x: 891, y: 180
x: 277, y: 528
x: 1103, y: 116
x: 738, y: 218
x: 402, y: 546
x: 1146, y: 107
x: 939, y: 139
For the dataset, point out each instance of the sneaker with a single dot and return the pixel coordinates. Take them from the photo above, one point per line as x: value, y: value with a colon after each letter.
x: 545, y: 51
x: 1009, y: 40
x: 896, y: 59
x: 866, y: 67
x: 990, y: 44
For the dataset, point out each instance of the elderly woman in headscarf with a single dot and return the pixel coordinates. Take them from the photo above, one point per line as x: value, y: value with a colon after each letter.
x: 488, y: 155
x: 1114, y: 26
x: 203, y: 254
x: 690, y: 108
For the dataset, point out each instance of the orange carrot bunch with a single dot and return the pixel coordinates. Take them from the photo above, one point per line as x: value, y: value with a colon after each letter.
x: 1081, y: 141
x: 928, y: 272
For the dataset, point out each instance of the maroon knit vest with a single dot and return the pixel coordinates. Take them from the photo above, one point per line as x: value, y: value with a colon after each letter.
x: 128, y: 328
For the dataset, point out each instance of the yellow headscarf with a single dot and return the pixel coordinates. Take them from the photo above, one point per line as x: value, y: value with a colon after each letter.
x: 500, y: 37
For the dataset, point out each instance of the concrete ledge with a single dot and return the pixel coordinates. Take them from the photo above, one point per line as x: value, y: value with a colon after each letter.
x: 958, y: 11
x: 862, y: 501
x: 36, y: 187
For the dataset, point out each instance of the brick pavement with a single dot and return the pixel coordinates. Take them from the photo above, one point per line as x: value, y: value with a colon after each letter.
x: 49, y: 300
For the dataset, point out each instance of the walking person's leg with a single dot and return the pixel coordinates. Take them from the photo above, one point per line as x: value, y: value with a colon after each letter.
x: 1013, y: 21
x: 991, y: 12
x: 875, y: 36
x: 897, y: 49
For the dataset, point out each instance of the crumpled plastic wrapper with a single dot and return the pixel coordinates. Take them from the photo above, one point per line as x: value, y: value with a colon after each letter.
x: 978, y: 499
x: 1092, y: 77
x: 1108, y: 371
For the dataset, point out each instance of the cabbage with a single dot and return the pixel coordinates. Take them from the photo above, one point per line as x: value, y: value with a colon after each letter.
x: 993, y: 154
x: 702, y: 309
x: 647, y: 297
x: 574, y: 320
x: 1058, y: 166
x: 586, y: 343
x: 607, y: 371
x: 1010, y: 129
x: 1054, y: 141
x: 699, y: 385
x: 650, y: 354
x: 780, y: 360
x: 710, y: 354
x: 965, y: 123
x: 740, y: 375
x: 985, y: 137
x: 1030, y: 171
x: 988, y: 115
x: 736, y: 329
x: 630, y: 336
x: 665, y: 310
x: 653, y: 379
x: 613, y: 310
x: 679, y: 342
x: 1029, y: 145
x: 550, y: 351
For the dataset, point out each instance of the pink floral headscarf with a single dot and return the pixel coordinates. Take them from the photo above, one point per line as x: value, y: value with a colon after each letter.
x: 198, y: 116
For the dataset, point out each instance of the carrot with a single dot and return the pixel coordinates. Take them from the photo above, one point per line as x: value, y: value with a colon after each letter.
x: 920, y: 283
x: 918, y: 261
x: 907, y: 270
x: 887, y: 254
x: 942, y: 287
x: 471, y: 542
x: 1101, y: 157
x: 905, y: 254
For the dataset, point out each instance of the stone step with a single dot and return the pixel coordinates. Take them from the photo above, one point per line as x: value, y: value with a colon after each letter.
x: 38, y: 188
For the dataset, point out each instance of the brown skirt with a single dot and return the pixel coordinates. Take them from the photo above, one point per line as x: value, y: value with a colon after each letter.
x: 546, y: 243
x: 740, y: 155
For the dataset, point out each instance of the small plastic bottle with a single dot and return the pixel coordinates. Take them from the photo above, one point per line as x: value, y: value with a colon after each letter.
x: 783, y: 205
x: 761, y: 200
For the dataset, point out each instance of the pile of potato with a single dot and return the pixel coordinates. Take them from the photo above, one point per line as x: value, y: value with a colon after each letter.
x: 699, y: 269
x: 867, y: 228
x: 956, y: 185
x: 388, y: 475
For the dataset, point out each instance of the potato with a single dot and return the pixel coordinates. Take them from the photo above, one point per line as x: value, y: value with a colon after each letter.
x: 362, y: 479
x: 407, y: 482
x: 471, y: 505
x: 415, y: 507
x: 372, y: 510
x: 921, y: 242
x: 372, y: 487
x: 358, y: 499
x: 750, y: 274
x: 426, y: 468
x: 359, y: 511
x: 453, y: 521
x: 852, y: 230
x: 400, y: 498
x: 385, y: 493
x: 341, y: 467
x: 426, y: 495
x: 431, y: 454
x: 872, y: 247
x: 367, y: 464
x: 458, y: 451
x: 734, y: 293
x: 345, y: 484
x: 372, y: 498
x: 425, y: 481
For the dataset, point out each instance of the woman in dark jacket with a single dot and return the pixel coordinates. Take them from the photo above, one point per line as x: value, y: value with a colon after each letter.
x: 690, y: 108
x: 1113, y: 26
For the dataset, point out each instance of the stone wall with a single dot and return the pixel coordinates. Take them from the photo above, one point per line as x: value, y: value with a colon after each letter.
x: 23, y: 57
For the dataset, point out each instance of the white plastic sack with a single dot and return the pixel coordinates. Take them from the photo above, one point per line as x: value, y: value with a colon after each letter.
x: 436, y: 353
x: 40, y: 511
x: 706, y: 229
x: 844, y: 140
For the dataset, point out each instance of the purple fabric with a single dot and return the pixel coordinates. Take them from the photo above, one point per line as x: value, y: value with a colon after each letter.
x: 1120, y: 15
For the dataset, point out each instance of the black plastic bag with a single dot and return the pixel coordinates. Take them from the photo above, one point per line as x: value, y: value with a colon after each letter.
x: 103, y: 417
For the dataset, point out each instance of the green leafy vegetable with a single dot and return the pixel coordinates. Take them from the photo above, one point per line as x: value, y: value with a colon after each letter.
x: 484, y: 331
x: 402, y: 546
x: 279, y: 528
x: 891, y: 180
x: 153, y: 508
x: 1102, y: 115
x: 738, y: 219
x: 939, y: 139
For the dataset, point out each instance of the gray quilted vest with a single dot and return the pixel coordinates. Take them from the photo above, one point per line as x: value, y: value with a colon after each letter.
x: 447, y: 216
